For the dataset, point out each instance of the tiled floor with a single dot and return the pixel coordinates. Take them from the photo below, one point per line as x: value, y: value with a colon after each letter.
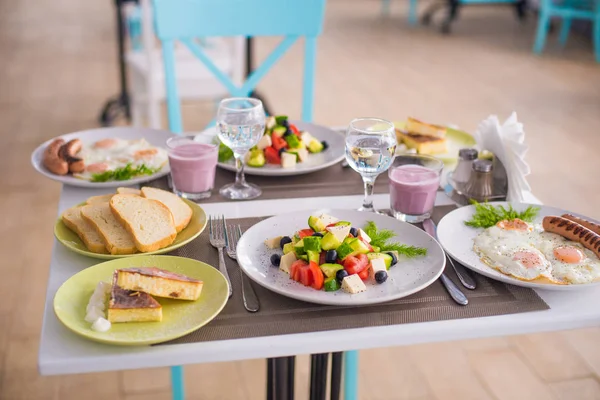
x: 58, y: 66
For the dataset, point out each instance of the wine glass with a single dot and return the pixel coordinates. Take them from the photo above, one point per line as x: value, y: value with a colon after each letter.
x: 370, y: 149
x: 240, y: 125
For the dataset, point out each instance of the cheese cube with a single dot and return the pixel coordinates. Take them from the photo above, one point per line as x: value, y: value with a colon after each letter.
x: 353, y: 284
x: 288, y: 160
x: 287, y: 261
x: 270, y: 123
x: 364, y: 236
x: 273, y: 243
x: 306, y: 138
x: 264, y: 142
x: 340, y: 232
x: 302, y: 154
x: 377, y: 264
x: 328, y: 219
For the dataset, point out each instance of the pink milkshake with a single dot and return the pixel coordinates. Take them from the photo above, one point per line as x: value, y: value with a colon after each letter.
x: 413, y: 187
x: 193, y: 167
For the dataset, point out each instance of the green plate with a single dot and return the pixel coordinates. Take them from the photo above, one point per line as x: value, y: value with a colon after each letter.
x: 456, y: 140
x: 180, y: 317
x: 194, y: 228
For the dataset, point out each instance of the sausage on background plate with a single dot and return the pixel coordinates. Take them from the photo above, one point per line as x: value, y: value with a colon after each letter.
x: 590, y: 225
x: 51, y: 159
x: 573, y: 231
x: 68, y: 151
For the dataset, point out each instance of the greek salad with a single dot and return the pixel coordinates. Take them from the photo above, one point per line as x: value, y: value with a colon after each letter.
x: 282, y: 144
x: 331, y: 254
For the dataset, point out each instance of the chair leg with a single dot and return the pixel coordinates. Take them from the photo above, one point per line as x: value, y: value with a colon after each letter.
x: 542, y: 32
x: 351, y: 375
x: 412, y: 12
x: 385, y: 7
x: 597, y: 38
x: 177, y: 384
x: 565, y: 28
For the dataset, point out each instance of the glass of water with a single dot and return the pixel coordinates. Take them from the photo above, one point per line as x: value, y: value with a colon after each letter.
x: 370, y: 149
x: 240, y: 125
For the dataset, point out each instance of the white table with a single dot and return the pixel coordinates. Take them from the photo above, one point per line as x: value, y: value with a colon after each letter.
x: 63, y: 352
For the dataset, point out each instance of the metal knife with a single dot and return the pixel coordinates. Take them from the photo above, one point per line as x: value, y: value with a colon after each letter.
x: 453, y: 290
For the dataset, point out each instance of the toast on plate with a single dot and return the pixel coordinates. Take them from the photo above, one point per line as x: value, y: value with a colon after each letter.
x: 86, y: 232
x: 117, y: 239
x: 182, y: 213
x: 127, y: 190
x: 103, y: 198
x: 149, y: 221
x: 160, y: 283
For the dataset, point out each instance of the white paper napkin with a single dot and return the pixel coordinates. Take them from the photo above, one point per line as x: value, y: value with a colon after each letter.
x: 507, y: 142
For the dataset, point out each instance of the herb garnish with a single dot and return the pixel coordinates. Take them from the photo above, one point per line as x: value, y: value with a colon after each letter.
x: 487, y: 215
x: 379, y: 238
x: 124, y: 173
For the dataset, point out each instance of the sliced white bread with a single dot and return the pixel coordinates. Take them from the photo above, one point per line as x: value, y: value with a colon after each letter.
x: 117, y: 239
x: 182, y: 213
x: 149, y: 221
x: 86, y: 232
x: 103, y: 198
x: 126, y: 190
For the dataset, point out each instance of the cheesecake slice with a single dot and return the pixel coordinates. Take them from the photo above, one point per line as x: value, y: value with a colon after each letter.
x: 423, y: 144
x: 132, y: 306
x: 159, y: 282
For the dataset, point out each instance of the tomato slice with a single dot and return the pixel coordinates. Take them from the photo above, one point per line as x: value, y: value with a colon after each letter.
x: 364, y: 274
x: 317, y: 276
x: 305, y: 275
x: 355, y: 264
x: 322, y: 257
x: 272, y: 155
x: 305, y: 232
x: 278, y: 142
x: 295, y: 269
x: 294, y: 130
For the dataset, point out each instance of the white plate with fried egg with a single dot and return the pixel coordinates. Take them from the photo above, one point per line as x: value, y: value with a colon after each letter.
x: 522, y: 255
x: 108, y: 149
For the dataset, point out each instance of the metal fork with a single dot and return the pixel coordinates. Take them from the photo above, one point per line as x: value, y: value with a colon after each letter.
x: 234, y: 233
x: 218, y: 239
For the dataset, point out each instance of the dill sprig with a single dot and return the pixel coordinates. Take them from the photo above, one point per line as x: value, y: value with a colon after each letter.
x: 124, y: 173
x: 487, y: 215
x: 380, y: 238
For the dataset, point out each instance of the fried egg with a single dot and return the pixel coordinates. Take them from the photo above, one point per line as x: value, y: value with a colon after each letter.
x: 527, y: 252
x: 113, y: 153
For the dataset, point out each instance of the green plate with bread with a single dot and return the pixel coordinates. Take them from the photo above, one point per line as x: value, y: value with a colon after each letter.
x: 126, y: 224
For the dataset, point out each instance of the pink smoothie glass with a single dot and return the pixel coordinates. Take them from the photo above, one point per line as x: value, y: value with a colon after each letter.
x: 193, y: 164
x: 414, y: 182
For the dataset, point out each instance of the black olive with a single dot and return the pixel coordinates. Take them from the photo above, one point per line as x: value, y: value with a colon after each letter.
x: 276, y: 260
x: 394, y: 258
x: 381, y: 276
x: 354, y: 232
x: 288, y: 133
x: 318, y: 234
x: 340, y: 275
x: 331, y: 256
x: 284, y: 240
x: 325, y: 145
x: 281, y: 151
x: 285, y: 123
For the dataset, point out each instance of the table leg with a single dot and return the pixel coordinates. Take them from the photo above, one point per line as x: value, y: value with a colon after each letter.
x: 270, y: 380
x: 351, y: 375
x: 291, y: 376
x: 318, y: 376
x: 336, y: 375
x: 177, y: 383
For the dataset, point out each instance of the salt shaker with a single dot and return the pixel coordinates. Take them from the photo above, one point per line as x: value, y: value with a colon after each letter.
x: 480, y: 186
x: 462, y: 172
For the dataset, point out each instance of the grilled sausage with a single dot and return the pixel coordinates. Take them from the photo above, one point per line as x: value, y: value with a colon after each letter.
x: 51, y: 159
x: 68, y: 151
x: 573, y: 231
x: 590, y: 225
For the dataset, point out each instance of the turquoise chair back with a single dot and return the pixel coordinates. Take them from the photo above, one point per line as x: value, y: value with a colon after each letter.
x: 185, y: 20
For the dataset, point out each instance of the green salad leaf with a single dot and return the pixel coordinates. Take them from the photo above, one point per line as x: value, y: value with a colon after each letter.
x: 225, y: 153
x: 487, y: 215
x: 380, y: 238
x: 124, y: 173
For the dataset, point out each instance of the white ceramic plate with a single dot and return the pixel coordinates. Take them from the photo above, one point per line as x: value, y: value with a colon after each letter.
x: 153, y: 136
x: 334, y: 154
x: 457, y: 240
x: 405, y: 278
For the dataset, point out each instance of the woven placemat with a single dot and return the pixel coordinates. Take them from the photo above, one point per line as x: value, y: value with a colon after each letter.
x: 331, y: 181
x: 280, y: 315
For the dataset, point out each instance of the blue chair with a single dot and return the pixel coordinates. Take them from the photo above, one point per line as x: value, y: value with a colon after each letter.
x: 567, y: 10
x: 186, y: 20
x: 412, y: 10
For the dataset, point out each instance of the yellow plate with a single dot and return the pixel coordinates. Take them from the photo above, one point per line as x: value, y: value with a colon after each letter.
x: 194, y: 228
x: 180, y: 317
x: 455, y: 140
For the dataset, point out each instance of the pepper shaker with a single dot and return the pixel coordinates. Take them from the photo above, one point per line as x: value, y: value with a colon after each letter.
x: 480, y: 186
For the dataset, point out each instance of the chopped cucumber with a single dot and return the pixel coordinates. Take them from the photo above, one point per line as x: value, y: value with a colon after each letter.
x: 316, y: 224
x: 331, y: 284
x: 288, y: 248
x: 280, y: 118
x: 359, y: 246
x: 344, y: 250
x: 330, y: 242
x: 387, y: 259
x: 315, y: 146
x: 303, y: 257
x: 345, y: 223
x: 299, y: 248
x: 313, y: 256
x: 330, y: 269
x: 292, y: 141
x: 312, y: 243
x: 278, y: 131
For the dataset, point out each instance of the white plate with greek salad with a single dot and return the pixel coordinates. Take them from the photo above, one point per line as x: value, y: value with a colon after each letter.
x: 340, y: 257
x: 287, y: 148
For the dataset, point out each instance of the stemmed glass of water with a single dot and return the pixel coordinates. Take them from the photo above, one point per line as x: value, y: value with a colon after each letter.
x: 370, y: 149
x: 240, y: 125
